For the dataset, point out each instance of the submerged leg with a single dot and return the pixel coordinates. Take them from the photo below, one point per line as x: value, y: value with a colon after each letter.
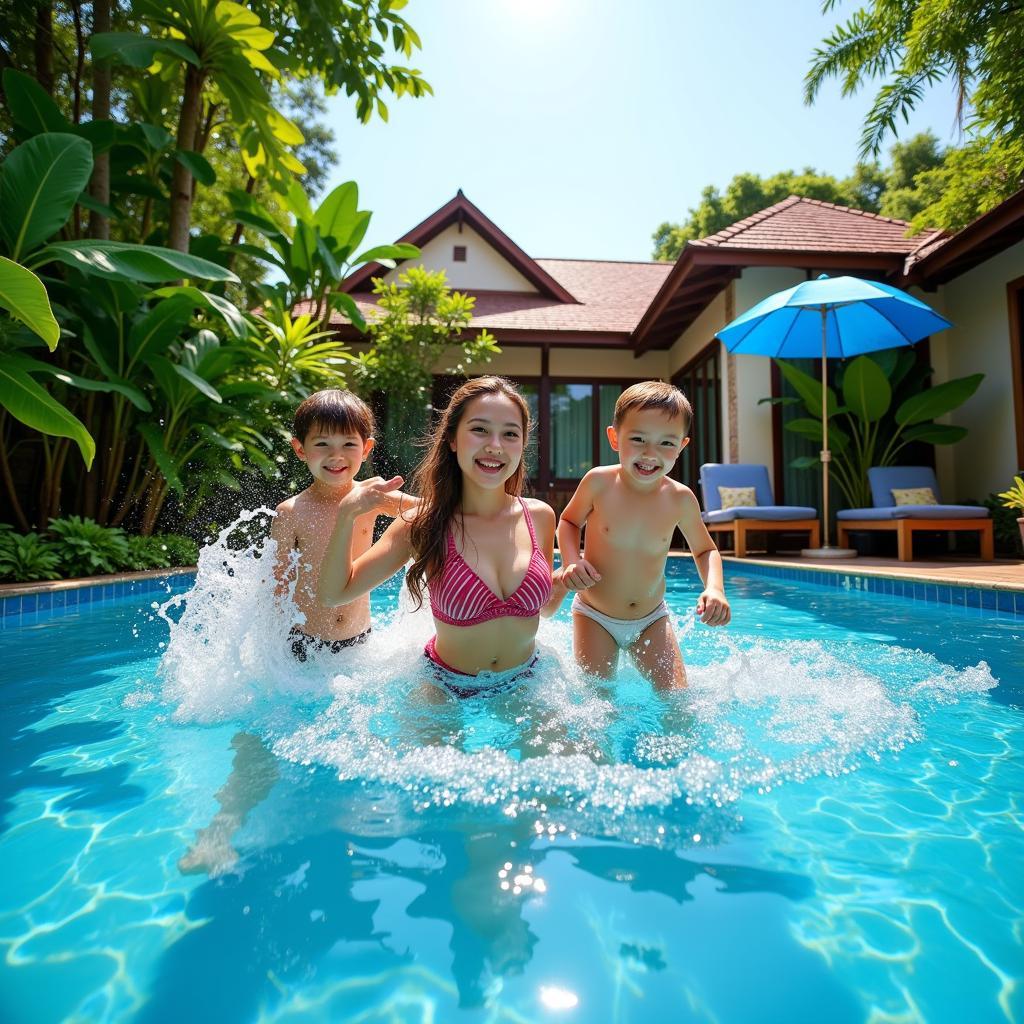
x: 253, y: 774
x: 656, y: 654
x: 596, y: 651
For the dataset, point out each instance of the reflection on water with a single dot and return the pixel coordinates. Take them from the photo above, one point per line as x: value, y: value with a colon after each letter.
x: 825, y: 825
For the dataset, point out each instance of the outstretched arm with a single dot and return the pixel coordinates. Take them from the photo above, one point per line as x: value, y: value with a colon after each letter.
x: 343, y: 580
x: 712, y: 606
x: 577, y: 573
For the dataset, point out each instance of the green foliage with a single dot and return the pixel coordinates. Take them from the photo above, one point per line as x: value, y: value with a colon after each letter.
x: 294, y: 360
x: 314, y: 250
x: 911, y: 46
x: 160, y: 551
x: 886, y: 406
x: 890, y: 191
x: 85, y: 548
x: 1006, y: 508
x: 74, y: 546
x: 27, y: 558
x: 1014, y: 497
x: 419, y: 327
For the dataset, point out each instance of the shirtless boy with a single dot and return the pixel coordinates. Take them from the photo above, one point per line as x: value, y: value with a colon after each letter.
x: 333, y: 435
x: 631, y: 511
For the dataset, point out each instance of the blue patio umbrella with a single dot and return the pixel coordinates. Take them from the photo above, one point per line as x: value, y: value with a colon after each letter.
x: 837, y: 317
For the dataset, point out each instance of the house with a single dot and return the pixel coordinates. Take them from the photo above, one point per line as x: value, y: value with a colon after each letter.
x: 575, y: 332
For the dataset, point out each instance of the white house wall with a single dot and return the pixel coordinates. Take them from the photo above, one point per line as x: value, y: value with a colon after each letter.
x: 485, y: 268
x: 979, y: 342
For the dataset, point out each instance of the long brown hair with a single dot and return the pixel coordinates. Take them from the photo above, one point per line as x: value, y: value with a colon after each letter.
x: 438, y: 481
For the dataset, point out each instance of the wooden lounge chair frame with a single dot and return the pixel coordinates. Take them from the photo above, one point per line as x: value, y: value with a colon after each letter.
x: 906, y: 528
x: 741, y: 527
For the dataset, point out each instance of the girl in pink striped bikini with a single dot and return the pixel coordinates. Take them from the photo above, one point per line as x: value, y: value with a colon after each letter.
x: 482, y: 551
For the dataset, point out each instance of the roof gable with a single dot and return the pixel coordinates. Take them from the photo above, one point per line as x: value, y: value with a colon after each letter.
x: 460, y: 210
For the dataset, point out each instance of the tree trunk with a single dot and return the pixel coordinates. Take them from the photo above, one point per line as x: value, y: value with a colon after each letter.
x: 181, y: 178
x: 5, y: 469
x: 43, y: 45
x: 76, y: 109
x: 99, y: 186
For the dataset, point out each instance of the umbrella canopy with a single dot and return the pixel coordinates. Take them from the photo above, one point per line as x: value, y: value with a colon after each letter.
x: 831, y: 316
x: 860, y: 316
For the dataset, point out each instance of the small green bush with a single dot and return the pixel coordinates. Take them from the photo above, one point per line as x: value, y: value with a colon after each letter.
x: 81, y: 547
x: 181, y: 550
x: 86, y: 549
x: 161, y: 551
x: 26, y: 557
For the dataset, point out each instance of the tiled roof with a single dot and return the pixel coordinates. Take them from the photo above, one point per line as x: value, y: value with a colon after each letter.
x: 798, y: 224
x: 611, y: 298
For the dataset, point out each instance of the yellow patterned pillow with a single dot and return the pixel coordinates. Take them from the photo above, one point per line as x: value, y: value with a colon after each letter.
x: 738, y: 497
x: 914, y: 496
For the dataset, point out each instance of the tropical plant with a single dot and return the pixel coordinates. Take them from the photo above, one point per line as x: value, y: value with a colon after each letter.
x: 41, y: 182
x: 223, y: 44
x: 160, y: 551
x: 27, y: 558
x: 1014, y: 497
x: 293, y: 359
x: 886, y: 406
x: 913, y: 45
x: 419, y: 325
x: 314, y: 252
x: 85, y: 548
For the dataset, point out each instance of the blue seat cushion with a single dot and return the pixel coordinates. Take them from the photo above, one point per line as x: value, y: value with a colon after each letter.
x: 771, y: 513
x: 916, y: 512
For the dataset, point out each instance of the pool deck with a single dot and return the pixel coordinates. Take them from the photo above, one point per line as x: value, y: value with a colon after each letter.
x: 1001, y: 574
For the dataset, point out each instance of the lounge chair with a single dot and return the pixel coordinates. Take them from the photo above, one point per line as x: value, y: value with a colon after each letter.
x: 761, y: 517
x: 906, y: 520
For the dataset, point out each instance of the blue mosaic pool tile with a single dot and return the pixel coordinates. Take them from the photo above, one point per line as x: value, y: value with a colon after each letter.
x: 1004, y: 601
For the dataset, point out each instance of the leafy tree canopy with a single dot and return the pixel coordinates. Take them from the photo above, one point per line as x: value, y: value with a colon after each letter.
x: 911, y: 45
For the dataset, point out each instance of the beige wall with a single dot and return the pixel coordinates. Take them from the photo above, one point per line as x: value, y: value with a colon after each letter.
x: 485, y: 268
x: 605, y: 362
x: 979, y: 342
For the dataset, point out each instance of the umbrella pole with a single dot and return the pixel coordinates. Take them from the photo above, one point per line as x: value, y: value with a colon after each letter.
x: 826, y: 455
x: 826, y: 550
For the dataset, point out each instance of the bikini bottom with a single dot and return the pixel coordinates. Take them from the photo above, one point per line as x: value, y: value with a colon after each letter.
x: 625, y: 632
x: 303, y: 643
x: 483, y: 684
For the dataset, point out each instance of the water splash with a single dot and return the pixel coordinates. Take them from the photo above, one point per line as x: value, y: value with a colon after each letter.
x: 563, y: 749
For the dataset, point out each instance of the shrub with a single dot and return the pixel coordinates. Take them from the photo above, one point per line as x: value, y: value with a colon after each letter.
x: 85, y: 548
x: 27, y: 558
x: 181, y: 550
x: 161, y: 551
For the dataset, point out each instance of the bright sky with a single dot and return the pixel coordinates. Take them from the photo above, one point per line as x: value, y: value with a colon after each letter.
x: 578, y: 126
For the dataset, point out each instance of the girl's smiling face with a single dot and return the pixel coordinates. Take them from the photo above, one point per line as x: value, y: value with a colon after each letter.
x: 489, y: 440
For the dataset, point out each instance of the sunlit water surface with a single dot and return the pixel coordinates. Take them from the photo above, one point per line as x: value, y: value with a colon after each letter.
x: 825, y: 826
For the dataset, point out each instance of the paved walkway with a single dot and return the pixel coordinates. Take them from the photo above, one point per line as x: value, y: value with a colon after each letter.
x: 1003, y: 574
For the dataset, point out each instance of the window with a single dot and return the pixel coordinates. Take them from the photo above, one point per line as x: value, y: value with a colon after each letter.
x: 579, y: 415
x: 459, y: 254
x: 700, y: 381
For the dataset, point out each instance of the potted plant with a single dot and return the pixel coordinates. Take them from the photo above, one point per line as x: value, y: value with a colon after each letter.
x: 1014, y: 498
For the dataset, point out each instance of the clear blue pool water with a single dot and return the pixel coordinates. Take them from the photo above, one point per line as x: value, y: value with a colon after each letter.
x: 827, y: 826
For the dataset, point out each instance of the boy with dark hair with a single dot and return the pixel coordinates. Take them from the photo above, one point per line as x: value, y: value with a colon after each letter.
x: 631, y: 511
x: 333, y: 434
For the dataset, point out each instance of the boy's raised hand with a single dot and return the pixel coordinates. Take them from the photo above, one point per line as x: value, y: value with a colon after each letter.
x: 713, y: 608
x: 368, y: 495
x: 580, y: 575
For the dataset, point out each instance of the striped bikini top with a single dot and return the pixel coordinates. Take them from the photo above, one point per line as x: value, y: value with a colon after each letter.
x: 460, y: 598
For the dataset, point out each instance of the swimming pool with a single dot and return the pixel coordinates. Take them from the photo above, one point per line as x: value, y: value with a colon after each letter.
x: 826, y: 827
